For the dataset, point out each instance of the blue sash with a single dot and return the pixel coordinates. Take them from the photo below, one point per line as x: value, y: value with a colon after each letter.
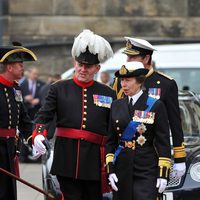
x: 131, y: 129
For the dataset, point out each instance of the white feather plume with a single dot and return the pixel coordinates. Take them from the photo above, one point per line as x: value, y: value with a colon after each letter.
x: 95, y: 43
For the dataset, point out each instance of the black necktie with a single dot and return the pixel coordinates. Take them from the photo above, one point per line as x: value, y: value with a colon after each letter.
x: 131, y: 102
x: 130, y: 105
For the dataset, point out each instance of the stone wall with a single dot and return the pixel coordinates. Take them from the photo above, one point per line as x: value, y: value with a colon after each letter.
x: 49, y: 26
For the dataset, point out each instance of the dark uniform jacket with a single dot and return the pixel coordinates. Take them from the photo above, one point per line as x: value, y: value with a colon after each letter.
x: 12, y: 116
x: 166, y: 90
x: 138, y: 169
x: 74, y: 107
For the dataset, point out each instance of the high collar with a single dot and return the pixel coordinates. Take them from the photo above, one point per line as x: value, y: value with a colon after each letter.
x: 136, y: 96
x: 82, y: 84
x: 6, y: 82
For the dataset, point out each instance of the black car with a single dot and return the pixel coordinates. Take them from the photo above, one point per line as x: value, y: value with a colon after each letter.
x: 186, y: 188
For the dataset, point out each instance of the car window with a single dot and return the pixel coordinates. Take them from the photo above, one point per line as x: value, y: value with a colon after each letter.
x: 186, y: 78
x: 190, y: 120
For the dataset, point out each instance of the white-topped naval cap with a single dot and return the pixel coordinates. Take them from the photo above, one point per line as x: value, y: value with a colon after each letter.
x: 141, y: 43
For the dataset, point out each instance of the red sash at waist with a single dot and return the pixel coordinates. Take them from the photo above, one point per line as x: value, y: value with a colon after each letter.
x: 4, y: 132
x: 81, y: 134
x: 93, y: 138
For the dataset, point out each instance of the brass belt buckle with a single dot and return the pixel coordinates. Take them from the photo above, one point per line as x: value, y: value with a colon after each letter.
x: 130, y: 144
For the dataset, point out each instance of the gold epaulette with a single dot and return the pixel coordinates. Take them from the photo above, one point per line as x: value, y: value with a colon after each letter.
x: 109, y: 160
x: 115, y: 84
x: 58, y: 81
x: 179, y: 152
x: 166, y: 76
x: 164, y: 165
x: 16, y: 83
x: 150, y: 72
x: 30, y: 137
x: 119, y: 93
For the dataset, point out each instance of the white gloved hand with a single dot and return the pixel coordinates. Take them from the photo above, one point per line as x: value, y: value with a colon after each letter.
x: 161, y: 184
x: 35, y: 153
x: 38, y: 143
x: 178, y: 170
x: 113, y: 180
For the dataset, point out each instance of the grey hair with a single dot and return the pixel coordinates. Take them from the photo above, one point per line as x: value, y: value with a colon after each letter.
x: 2, y: 67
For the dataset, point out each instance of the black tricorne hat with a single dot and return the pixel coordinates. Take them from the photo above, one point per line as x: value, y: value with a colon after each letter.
x: 10, y: 54
x: 131, y: 69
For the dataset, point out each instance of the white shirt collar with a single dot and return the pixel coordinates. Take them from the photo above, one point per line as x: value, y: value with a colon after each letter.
x: 135, y: 97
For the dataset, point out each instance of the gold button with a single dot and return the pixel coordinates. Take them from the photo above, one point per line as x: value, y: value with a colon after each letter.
x: 85, y: 89
x: 83, y: 126
x: 84, y: 119
x: 118, y: 128
x: 5, y: 89
x: 85, y: 100
x: 85, y: 113
x: 7, y: 94
x: 117, y: 121
x: 85, y: 107
x: 85, y: 95
x: 9, y: 127
x: 158, y: 82
x: 120, y: 135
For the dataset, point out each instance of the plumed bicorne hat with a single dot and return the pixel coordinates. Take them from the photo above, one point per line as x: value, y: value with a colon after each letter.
x: 136, y: 46
x: 131, y: 69
x: 16, y: 53
x: 89, y: 48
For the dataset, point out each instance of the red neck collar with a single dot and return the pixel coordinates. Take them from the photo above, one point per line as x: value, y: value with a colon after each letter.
x: 82, y: 84
x: 6, y: 82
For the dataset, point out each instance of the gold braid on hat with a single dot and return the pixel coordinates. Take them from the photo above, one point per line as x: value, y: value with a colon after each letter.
x: 123, y: 70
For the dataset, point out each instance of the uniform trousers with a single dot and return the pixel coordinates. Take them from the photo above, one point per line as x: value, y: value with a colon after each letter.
x: 6, y: 183
x: 75, y: 189
x: 137, y: 174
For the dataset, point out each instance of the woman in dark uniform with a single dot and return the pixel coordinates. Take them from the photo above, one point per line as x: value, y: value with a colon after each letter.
x: 138, y: 146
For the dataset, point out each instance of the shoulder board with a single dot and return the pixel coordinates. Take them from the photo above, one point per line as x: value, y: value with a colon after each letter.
x: 61, y: 80
x: 16, y: 83
x: 166, y: 76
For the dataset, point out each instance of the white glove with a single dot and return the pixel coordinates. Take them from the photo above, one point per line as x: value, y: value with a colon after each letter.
x: 39, y: 146
x: 161, y: 184
x: 35, y: 153
x: 178, y: 170
x: 113, y: 179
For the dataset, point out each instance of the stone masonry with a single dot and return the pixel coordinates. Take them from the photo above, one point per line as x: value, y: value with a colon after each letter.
x: 49, y: 26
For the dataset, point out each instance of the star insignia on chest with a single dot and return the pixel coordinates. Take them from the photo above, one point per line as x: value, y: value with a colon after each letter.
x: 141, y: 140
x: 141, y: 128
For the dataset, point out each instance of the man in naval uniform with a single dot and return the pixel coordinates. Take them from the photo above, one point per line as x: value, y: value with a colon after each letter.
x: 82, y: 107
x: 161, y: 87
x: 13, y: 115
